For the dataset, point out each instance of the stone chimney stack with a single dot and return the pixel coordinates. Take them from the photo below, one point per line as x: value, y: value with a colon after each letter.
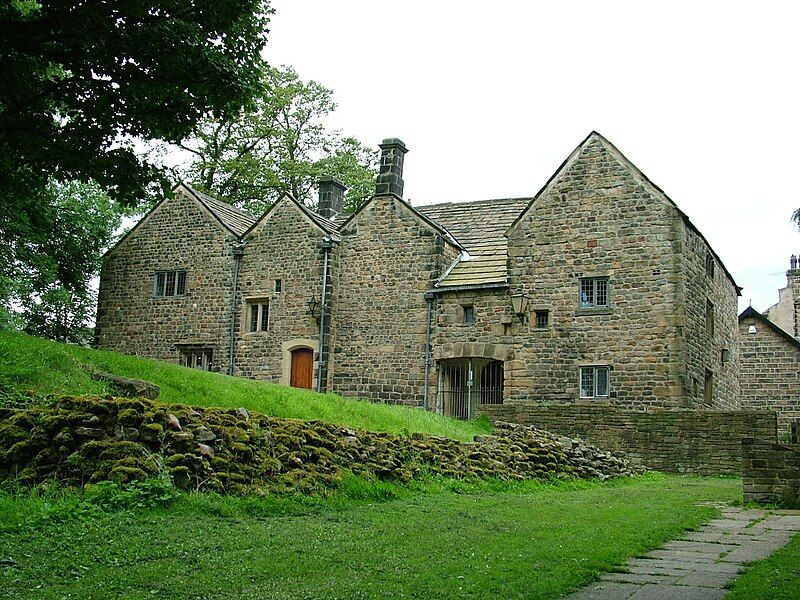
x: 331, y: 197
x: 390, y: 175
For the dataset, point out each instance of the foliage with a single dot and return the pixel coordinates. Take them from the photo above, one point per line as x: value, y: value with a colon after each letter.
x: 279, y: 145
x: 42, y: 368
x: 776, y: 578
x: 83, y: 79
x: 441, y: 539
x: 796, y: 217
x: 45, y: 271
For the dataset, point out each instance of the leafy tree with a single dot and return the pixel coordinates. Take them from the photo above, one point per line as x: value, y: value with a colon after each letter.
x: 279, y: 145
x: 45, y: 281
x: 79, y: 83
x: 796, y: 218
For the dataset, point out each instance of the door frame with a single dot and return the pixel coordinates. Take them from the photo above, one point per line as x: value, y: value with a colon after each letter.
x: 286, y: 358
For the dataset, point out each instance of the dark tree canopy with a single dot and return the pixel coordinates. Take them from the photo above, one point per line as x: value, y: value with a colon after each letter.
x: 79, y: 79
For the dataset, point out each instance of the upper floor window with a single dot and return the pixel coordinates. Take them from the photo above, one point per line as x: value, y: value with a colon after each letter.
x: 258, y: 315
x: 469, y: 314
x: 710, y: 264
x: 595, y: 382
x: 169, y: 283
x: 709, y: 317
x: 278, y: 285
x: 594, y: 292
x: 542, y: 319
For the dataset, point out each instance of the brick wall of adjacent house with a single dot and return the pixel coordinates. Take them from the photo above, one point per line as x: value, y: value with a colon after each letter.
x: 388, y: 258
x: 178, y: 234
x: 704, y: 349
x: 770, y: 373
x: 771, y: 473
x: 284, y: 246
x: 683, y: 441
x: 597, y: 219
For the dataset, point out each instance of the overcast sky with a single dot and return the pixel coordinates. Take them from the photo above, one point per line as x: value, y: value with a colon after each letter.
x: 491, y: 97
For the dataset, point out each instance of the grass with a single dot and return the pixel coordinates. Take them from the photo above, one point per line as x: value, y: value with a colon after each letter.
x: 441, y: 539
x: 776, y: 578
x: 43, y: 367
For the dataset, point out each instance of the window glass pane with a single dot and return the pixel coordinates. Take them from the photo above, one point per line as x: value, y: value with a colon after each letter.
x: 601, y: 386
x: 587, y: 293
x: 469, y: 314
x: 278, y: 285
x: 160, y: 277
x: 254, y: 317
x: 587, y: 382
x: 264, y: 316
x: 169, y: 289
x: 208, y: 361
x: 542, y: 318
x: 601, y: 295
x: 181, y: 283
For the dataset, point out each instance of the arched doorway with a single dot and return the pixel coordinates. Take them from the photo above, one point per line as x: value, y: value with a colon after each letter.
x: 465, y: 383
x: 302, y: 368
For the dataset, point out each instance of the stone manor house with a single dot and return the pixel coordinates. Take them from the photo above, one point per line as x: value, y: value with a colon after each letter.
x: 598, y: 289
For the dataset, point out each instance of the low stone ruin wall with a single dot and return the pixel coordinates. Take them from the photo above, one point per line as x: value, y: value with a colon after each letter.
x: 85, y: 440
x: 771, y: 473
x: 677, y: 441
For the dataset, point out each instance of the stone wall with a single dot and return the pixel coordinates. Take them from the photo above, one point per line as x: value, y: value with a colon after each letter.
x: 770, y: 371
x: 284, y: 246
x: 179, y: 234
x: 388, y: 258
x: 682, y: 441
x: 597, y: 219
x: 771, y: 473
x: 704, y: 349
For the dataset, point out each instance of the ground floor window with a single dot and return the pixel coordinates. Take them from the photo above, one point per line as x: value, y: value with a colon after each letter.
x: 595, y: 382
x: 197, y: 358
x: 257, y: 315
x: 465, y: 383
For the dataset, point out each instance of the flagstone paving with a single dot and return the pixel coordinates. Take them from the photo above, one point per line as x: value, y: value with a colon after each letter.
x: 699, y: 564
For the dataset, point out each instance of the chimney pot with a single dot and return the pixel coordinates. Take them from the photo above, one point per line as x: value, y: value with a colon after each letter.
x: 390, y: 171
x: 331, y: 197
x: 793, y: 262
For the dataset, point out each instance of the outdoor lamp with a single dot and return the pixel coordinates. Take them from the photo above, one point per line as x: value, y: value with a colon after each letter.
x: 313, y: 308
x: 519, y: 303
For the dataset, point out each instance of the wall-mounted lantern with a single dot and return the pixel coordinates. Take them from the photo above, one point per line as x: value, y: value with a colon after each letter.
x: 519, y: 302
x: 314, y: 309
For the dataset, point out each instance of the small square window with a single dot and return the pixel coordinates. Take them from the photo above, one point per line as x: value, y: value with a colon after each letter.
x: 469, y: 315
x: 595, y: 382
x: 594, y: 292
x: 542, y: 319
x: 278, y: 285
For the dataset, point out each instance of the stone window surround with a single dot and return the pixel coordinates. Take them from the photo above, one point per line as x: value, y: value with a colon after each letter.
x: 535, y: 320
x: 190, y: 352
x: 604, y: 309
x: 179, y: 283
x: 468, y: 314
x: 595, y: 365
x: 247, y: 303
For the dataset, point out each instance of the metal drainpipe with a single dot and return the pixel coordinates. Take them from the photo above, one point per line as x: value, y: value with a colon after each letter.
x: 238, y: 253
x: 429, y: 297
x: 326, y: 248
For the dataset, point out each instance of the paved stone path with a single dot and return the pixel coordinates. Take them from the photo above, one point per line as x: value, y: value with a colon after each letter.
x: 699, y: 564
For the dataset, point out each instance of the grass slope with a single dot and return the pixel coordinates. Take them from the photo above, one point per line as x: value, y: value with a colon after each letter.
x: 44, y: 367
x: 491, y: 540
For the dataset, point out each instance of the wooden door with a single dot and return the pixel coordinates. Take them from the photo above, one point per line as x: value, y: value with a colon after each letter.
x: 302, y: 368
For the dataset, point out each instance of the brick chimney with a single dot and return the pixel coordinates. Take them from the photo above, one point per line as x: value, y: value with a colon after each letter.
x: 331, y: 197
x: 390, y: 175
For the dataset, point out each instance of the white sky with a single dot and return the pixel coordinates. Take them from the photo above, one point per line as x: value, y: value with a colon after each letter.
x: 491, y: 97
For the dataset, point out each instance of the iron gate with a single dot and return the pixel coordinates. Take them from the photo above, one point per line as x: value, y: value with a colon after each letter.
x: 466, y: 382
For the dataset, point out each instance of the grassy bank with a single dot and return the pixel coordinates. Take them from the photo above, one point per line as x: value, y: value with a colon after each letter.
x: 434, y: 540
x: 43, y: 367
x: 776, y: 578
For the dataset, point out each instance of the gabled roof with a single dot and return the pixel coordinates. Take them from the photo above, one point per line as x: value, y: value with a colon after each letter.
x: 651, y: 187
x: 480, y: 227
x: 422, y: 217
x: 319, y: 221
x: 233, y: 219
x: 752, y: 313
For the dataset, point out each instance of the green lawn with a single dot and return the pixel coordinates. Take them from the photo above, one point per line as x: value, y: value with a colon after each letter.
x: 435, y: 540
x: 43, y: 367
x: 776, y: 578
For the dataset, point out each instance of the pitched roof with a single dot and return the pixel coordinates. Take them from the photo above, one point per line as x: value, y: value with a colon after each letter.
x: 750, y: 312
x: 325, y: 224
x: 480, y: 227
x: 234, y: 219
